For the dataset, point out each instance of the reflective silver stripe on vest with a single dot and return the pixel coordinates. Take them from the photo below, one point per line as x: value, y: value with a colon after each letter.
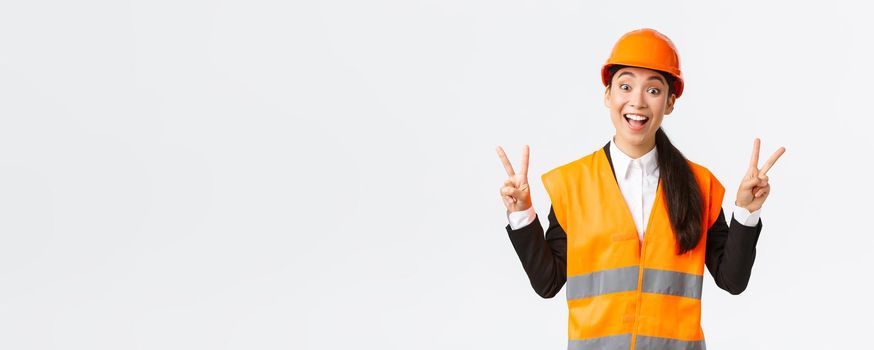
x: 672, y: 283
x: 622, y: 279
x: 655, y: 343
x: 613, y: 342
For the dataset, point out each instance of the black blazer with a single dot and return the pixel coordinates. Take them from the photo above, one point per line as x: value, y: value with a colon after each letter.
x: 729, y: 255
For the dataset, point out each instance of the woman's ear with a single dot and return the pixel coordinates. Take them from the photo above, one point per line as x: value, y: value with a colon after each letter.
x: 669, y: 107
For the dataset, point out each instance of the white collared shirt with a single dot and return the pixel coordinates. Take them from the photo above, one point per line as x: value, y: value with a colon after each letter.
x: 638, y: 181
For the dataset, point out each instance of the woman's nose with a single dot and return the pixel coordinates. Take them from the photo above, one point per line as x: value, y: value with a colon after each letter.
x: 637, y: 101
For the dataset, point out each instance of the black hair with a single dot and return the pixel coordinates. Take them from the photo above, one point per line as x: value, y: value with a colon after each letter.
x: 682, y: 194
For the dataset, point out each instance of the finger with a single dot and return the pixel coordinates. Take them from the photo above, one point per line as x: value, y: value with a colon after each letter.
x: 508, y: 191
x: 512, y: 191
x: 507, y: 166
x: 754, y: 159
x: 507, y: 201
x: 520, y: 193
x: 763, y: 191
x: 772, y: 160
x: 525, y: 153
x: 762, y: 180
x: 749, y: 183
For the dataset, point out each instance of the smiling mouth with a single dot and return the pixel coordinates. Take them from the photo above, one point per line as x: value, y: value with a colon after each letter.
x: 635, y: 121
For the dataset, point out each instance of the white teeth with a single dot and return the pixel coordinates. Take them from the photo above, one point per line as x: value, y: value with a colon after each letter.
x: 636, y: 117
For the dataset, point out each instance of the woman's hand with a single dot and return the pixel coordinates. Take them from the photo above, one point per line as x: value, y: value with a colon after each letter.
x: 754, y: 188
x: 515, y: 191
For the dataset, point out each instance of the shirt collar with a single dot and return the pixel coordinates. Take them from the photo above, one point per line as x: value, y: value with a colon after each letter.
x: 623, y: 164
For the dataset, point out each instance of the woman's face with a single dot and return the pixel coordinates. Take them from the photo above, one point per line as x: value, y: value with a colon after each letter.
x: 638, y: 100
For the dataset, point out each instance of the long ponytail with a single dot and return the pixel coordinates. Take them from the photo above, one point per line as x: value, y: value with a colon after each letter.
x: 682, y: 195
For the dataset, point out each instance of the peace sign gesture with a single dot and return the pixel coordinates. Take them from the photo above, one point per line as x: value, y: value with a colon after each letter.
x: 754, y: 188
x: 515, y: 191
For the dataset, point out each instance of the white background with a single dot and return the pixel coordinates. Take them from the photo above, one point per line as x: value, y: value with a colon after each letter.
x: 322, y: 174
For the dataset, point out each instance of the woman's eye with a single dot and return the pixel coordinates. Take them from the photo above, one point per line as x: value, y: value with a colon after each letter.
x: 653, y: 91
x: 624, y: 86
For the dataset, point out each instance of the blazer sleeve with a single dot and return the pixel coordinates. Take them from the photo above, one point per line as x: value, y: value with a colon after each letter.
x: 730, y: 253
x: 543, y: 259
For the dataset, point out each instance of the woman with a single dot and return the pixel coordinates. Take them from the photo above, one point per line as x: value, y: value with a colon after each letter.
x: 633, y: 224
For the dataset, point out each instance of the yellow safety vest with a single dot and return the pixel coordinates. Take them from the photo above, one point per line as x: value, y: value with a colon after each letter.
x: 621, y: 293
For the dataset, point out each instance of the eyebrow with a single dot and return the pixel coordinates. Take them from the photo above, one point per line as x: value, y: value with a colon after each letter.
x: 654, y: 77
x: 657, y: 78
x: 624, y: 73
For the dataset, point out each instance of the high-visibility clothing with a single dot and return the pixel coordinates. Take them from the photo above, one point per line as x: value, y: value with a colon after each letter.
x: 646, y: 48
x: 624, y: 293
